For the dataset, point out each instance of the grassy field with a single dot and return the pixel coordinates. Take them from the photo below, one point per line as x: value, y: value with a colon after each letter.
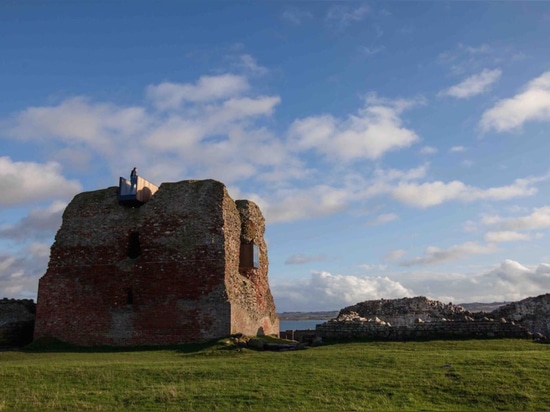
x: 438, y: 375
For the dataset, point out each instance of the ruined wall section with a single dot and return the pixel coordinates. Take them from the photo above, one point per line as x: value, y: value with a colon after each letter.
x: 253, y: 308
x: 376, y: 329
x: 533, y: 313
x: 16, y: 321
x: 82, y: 278
x: 172, y: 291
x: 163, y: 273
x: 183, y: 262
x: 407, y: 311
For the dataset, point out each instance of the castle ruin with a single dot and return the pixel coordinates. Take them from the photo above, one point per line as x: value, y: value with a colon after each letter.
x: 184, y: 263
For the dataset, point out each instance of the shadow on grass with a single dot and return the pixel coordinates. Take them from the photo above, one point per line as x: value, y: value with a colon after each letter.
x: 45, y: 345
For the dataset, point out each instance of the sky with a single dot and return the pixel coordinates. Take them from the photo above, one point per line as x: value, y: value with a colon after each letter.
x: 395, y: 148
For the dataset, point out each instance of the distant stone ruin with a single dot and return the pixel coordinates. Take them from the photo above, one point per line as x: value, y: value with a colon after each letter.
x: 419, y: 318
x: 186, y: 264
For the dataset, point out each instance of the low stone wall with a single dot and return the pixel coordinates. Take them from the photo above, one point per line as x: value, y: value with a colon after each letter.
x: 16, y: 321
x: 458, y: 329
x: 301, y: 335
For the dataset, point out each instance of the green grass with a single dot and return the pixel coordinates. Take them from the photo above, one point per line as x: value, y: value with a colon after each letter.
x: 357, y: 376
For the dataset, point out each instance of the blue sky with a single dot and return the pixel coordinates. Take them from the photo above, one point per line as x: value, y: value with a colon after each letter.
x: 395, y: 148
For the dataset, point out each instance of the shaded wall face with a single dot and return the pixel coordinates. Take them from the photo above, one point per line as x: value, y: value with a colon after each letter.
x: 149, y: 275
x: 253, y: 309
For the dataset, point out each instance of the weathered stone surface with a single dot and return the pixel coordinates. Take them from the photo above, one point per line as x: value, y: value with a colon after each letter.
x: 415, y: 319
x: 164, y: 273
x: 533, y: 313
x: 16, y: 321
x: 407, y: 311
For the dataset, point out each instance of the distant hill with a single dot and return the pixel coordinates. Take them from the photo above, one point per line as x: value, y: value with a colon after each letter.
x: 324, y: 315
x: 482, y: 307
x: 329, y: 314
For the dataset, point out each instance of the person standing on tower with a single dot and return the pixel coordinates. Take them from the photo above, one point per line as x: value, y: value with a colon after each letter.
x: 133, y: 178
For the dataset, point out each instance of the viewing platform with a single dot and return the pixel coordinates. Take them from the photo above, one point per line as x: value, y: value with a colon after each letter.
x: 136, y: 195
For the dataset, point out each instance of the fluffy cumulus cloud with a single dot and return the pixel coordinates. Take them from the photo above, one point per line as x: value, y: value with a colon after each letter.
x: 196, y: 128
x: 531, y: 104
x: 325, y: 291
x: 473, y: 85
x: 23, y: 182
x: 515, y: 281
x: 375, y: 130
x: 507, y: 281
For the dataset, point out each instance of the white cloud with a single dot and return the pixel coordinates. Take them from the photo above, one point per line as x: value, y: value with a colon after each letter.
x: 325, y: 291
x: 428, y: 150
x: 371, y: 51
x: 457, y: 149
x: 532, y: 104
x: 434, y: 193
x: 19, y: 274
x: 249, y: 63
x: 464, y: 58
x: 302, y: 259
x: 434, y: 255
x: 505, y: 236
x: 374, y: 267
x: 76, y: 120
x: 39, y: 223
x: 215, y: 135
x: 292, y: 204
x: 473, y: 85
x: 23, y: 182
x: 342, y: 16
x: 538, y: 219
x: 394, y: 255
x: 373, y: 131
x: 169, y: 95
x: 384, y: 218
x: 428, y: 194
x: 508, y: 281
x: 515, y: 281
x: 296, y: 16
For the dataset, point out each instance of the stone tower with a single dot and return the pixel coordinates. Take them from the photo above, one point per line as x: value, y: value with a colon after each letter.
x: 188, y: 265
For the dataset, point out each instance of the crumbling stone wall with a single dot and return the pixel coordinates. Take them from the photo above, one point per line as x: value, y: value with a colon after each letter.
x: 533, y: 313
x: 253, y: 312
x: 16, y: 321
x: 420, y: 318
x: 406, y: 311
x: 164, y: 273
x: 352, y: 327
